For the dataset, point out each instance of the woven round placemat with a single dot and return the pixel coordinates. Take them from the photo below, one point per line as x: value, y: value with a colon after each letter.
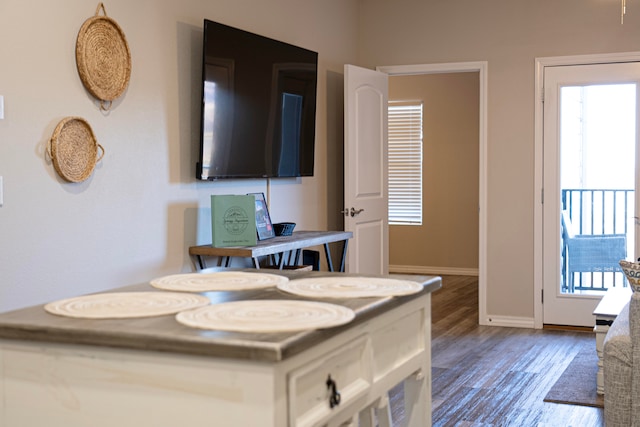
x: 73, y: 149
x: 103, y: 58
x: 350, y: 287
x: 264, y: 316
x: 219, y: 281
x: 118, y: 305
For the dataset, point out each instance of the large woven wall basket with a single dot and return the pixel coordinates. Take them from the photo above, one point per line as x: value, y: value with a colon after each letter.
x: 103, y: 58
x: 74, y: 150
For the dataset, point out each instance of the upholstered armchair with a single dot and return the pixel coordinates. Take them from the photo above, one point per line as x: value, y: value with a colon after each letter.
x: 622, y: 359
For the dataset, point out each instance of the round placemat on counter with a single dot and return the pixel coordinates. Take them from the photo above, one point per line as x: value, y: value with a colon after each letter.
x: 350, y: 287
x: 263, y: 316
x: 219, y: 281
x: 114, y: 305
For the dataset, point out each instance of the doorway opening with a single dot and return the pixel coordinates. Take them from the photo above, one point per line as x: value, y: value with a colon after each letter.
x: 481, y: 68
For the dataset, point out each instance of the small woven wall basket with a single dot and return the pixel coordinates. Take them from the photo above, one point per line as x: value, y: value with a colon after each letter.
x: 103, y: 58
x: 73, y: 149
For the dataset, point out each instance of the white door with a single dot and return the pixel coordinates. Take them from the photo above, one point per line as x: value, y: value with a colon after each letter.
x: 365, y: 170
x: 589, y: 180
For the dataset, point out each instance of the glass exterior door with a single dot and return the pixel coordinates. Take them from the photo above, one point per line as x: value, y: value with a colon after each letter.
x: 589, y: 184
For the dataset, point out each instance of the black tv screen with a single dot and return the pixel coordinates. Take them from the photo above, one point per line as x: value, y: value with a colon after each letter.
x: 258, y: 106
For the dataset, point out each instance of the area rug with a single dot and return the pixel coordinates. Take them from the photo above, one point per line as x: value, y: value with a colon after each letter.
x: 577, y: 384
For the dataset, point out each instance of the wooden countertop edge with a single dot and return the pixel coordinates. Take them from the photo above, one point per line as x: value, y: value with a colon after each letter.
x: 194, y: 347
x: 197, y: 345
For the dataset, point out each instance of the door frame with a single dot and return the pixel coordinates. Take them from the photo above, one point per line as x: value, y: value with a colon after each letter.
x: 540, y: 64
x: 481, y: 67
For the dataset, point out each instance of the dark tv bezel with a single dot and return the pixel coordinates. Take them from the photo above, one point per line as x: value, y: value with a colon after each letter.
x: 309, y: 171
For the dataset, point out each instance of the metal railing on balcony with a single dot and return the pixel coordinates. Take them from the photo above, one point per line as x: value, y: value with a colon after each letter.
x: 604, y: 217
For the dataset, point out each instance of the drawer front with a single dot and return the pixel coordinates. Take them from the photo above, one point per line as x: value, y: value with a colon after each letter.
x: 310, y: 393
x: 398, y: 342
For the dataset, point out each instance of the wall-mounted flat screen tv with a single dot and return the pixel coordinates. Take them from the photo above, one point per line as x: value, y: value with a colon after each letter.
x: 258, y: 106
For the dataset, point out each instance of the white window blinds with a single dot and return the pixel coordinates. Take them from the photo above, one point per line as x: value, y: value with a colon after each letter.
x: 405, y: 162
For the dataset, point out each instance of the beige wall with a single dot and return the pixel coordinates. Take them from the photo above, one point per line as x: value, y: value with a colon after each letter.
x: 509, y: 35
x: 447, y: 240
x: 136, y: 216
x: 141, y: 209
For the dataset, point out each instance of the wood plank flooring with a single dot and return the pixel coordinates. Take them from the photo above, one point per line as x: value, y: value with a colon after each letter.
x: 495, y: 376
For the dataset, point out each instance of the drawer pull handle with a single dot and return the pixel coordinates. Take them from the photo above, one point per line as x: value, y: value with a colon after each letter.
x: 334, y: 398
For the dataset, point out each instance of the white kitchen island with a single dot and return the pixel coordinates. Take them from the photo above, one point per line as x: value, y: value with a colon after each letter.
x: 63, y: 372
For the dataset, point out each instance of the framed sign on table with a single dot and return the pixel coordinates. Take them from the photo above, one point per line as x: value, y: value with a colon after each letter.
x: 264, y: 227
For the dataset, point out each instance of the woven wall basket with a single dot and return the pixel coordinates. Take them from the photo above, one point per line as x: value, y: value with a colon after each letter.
x: 73, y: 149
x: 103, y: 58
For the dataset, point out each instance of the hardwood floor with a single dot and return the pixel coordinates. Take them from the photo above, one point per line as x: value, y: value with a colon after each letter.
x: 495, y: 376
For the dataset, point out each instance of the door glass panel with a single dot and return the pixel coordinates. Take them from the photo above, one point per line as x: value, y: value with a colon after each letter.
x: 597, y: 176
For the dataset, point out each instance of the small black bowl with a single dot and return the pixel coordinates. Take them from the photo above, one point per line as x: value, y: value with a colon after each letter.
x: 284, y: 228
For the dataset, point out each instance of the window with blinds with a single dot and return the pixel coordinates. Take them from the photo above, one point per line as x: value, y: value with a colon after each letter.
x: 405, y: 163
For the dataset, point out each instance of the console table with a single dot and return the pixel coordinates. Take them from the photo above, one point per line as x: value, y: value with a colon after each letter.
x: 64, y: 372
x: 606, y: 312
x: 277, y: 246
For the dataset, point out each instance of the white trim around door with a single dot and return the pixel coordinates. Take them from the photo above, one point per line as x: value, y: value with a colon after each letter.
x: 482, y: 69
x: 540, y: 64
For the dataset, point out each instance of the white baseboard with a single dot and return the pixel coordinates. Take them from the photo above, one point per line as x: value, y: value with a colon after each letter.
x: 508, y: 321
x: 417, y: 269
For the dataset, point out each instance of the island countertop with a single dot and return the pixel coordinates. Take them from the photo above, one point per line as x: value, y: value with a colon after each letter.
x: 165, y: 334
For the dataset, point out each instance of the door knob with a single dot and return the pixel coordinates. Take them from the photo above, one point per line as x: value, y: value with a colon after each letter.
x: 353, y: 212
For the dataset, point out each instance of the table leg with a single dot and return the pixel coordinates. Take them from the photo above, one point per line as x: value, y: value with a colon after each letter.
x: 417, y: 400
x: 367, y: 418
x: 344, y: 255
x: 201, y: 262
x: 376, y: 415
x: 601, y: 329
x: 256, y: 263
x: 281, y: 261
x: 327, y: 252
x: 383, y: 412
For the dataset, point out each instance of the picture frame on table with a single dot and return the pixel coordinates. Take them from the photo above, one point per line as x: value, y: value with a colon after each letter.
x: 264, y: 227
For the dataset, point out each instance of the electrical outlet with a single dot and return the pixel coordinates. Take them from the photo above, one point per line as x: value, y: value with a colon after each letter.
x: 1, y: 107
x: 1, y: 192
